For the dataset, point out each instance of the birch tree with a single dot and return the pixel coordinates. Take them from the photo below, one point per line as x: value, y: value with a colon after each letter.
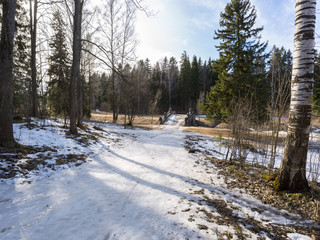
x: 292, y: 173
x: 116, y: 44
x: 6, y: 71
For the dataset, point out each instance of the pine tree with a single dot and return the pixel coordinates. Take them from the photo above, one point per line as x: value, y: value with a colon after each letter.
x: 22, y: 70
x: 59, y: 69
x: 184, y: 83
x: 195, y: 75
x: 173, y: 74
x: 208, y: 77
x: 240, y: 56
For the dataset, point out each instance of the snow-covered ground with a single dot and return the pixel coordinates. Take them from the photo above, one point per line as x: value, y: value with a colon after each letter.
x: 136, y: 184
x: 218, y: 148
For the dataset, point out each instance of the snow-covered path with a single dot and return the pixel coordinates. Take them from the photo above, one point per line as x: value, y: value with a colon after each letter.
x: 124, y: 193
x: 146, y: 187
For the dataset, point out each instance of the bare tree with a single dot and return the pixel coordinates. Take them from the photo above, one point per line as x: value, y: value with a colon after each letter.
x: 292, y: 173
x: 117, y: 44
x: 6, y: 71
x: 128, y: 46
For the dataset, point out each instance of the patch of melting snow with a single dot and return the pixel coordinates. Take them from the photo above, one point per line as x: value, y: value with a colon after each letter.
x: 146, y: 186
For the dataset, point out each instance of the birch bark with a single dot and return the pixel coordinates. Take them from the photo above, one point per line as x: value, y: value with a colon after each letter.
x: 292, y: 173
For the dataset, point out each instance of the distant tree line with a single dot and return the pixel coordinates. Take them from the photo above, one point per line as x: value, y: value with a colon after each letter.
x: 110, y: 79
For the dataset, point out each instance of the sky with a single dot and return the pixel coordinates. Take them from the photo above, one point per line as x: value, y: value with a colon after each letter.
x: 189, y: 25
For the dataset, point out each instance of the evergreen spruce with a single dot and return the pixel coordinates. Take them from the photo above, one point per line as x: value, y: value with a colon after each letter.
x: 185, y: 83
x: 21, y: 60
x: 241, y: 61
x: 195, y: 75
x: 59, y: 69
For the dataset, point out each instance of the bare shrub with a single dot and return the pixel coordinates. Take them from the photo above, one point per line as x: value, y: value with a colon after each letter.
x: 279, y: 105
x: 239, y: 118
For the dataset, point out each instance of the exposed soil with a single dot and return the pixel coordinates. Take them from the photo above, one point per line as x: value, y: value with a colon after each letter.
x: 23, y: 159
x: 21, y: 162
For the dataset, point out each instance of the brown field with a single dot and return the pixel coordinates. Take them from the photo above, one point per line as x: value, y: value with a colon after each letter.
x: 222, y: 130
x: 147, y: 122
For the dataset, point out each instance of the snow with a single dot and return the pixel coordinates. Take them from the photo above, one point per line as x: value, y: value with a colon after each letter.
x: 297, y: 236
x: 136, y: 184
x: 217, y: 147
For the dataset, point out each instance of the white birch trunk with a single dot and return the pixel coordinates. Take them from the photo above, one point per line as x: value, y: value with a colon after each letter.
x: 292, y: 174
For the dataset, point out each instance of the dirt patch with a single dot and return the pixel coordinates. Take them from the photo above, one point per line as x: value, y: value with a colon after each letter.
x: 21, y: 162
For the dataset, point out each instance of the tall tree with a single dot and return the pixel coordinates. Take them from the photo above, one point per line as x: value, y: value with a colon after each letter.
x: 33, y: 33
x: 237, y: 65
x: 21, y: 54
x: 185, y: 84
x: 75, y: 69
x: 59, y: 67
x: 117, y: 44
x: 6, y: 71
x: 195, y: 77
x: 127, y: 48
x: 173, y: 74
x: 292, y: 173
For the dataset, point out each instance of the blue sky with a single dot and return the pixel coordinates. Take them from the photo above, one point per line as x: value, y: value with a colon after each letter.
x: 189, y: 25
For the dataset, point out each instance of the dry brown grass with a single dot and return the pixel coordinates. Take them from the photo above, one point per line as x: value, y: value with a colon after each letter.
x: 224, y: 131
x: 315, y: 121
x: 146, y: 122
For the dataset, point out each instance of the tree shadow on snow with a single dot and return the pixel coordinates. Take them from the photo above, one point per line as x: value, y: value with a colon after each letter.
x: 252, y: 205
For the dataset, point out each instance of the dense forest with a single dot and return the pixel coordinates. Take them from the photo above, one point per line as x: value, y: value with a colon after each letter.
x: 112, y: 79
x: 236, y: 144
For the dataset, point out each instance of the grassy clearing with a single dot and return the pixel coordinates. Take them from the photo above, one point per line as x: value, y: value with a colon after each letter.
x: 146, y: 122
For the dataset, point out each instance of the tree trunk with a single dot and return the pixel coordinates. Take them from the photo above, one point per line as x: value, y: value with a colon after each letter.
x: 80, y: 102
x: 292, y: 173
x: 33, y: 34
x: 114, y: 109
x: 6, y: 68
x: 75, y: 71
